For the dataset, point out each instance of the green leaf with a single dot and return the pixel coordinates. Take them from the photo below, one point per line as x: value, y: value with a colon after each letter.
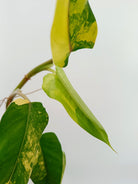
x: 57, y: 86
x: 63, y: 164
x: 20, y: 131
x: 51, y: 162
x: 54, y: 158
x: 74, y: 27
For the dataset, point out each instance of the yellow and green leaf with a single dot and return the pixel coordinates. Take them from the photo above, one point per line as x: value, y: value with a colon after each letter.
x: 57, y: 86
x: 21, y: 128
x: 74, y: 27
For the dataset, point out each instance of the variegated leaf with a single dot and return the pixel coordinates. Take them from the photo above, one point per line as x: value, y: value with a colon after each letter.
x: 57, y: 86
x: 74, y: 27
x: 20, y: 131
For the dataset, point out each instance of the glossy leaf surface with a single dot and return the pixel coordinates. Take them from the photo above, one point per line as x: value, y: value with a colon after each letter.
x: 57, y: 86
x: 74, y: 27
x: 20, y: 131
x: 51, y: 163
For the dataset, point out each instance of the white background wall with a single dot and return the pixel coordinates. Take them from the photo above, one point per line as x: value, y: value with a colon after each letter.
x: 105, y: 77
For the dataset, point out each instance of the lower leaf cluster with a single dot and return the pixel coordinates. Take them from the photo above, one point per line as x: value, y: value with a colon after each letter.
x: 24, y: 151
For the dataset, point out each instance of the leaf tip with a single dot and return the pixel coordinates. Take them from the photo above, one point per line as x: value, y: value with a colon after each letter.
x: 112, y: 148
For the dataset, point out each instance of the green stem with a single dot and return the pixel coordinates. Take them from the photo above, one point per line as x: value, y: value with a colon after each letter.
x: 39, y: 68
x: 44, y: 66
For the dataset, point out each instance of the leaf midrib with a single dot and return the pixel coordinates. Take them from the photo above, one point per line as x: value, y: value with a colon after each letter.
x: 29, y: 110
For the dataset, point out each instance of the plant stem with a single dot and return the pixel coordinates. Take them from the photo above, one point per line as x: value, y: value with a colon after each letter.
x: 44, y: 66
x: 39, y: 68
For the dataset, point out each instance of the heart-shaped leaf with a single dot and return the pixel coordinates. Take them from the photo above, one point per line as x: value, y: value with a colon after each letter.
x: 20, y: 131
x: 74, y: 27
x: 57, y: 86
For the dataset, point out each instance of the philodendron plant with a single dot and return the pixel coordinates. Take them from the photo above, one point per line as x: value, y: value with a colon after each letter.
x: 25, y: 151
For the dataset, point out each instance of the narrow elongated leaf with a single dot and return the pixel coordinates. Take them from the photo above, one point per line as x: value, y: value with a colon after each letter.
x: 51, y: 162
x: 74, y: 27
x: 57, y: 86
x: 20, y: 131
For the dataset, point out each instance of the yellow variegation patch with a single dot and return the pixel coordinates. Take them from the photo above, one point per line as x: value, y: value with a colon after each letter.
x: 39, y: 172
x: 21, y: 101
